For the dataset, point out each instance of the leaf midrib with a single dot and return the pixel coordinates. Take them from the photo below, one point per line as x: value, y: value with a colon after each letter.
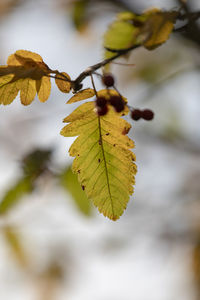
x: 104, y: 159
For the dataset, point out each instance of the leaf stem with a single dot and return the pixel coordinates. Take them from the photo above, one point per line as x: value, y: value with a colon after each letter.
x: 94, y: 87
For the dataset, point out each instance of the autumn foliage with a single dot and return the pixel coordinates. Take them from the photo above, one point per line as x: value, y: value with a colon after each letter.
x: 104, y: 162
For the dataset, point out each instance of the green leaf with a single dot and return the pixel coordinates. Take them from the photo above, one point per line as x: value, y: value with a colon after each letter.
x: 33, y: 165
x: 120, y: 35
x: 150, y: 29
x: 103, y: 160
x: 13, y: 196
x: 79, y: 14
x: 126, y: 16
x: 69, y: 181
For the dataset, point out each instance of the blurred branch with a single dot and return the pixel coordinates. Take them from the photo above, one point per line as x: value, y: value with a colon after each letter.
x: 123, y: 4
x: 155, y: 88
x: 191, y: 30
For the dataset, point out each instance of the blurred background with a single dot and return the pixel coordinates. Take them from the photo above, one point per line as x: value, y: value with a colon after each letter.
x: 53, y: 244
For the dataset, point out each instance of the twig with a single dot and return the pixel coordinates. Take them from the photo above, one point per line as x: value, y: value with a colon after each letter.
x: 186, y: 28
x: 92, y: 69
x: 192, y: 17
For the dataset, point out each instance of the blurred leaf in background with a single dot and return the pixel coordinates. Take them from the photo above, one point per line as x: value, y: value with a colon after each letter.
x: 196, y: 266
x: 21, y: 188
x: 36, y: 162
x: 33, y: 165
x: 6, y: 6
x: 82, y: 12
x: 49, y: 281
x: 14, y: 242
x: 79, y: 14
x: 121, y: 34
x: 69, y: 181
x: 150, y: 29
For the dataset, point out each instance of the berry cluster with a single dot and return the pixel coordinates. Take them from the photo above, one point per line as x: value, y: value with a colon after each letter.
x: 145, y: 114
x: 116, y: 101
x: 101, y: 105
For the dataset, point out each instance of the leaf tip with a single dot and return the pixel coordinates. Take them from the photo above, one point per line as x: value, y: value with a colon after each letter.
x: 114, y: 218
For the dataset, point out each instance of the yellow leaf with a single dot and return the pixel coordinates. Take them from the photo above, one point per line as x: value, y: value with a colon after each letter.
x: 159, y: 25
x: 103, y: 160
x: 14, y: 59
x: 82, y: 95
x: 8, y: 91
x: 43, y: 88
x: 26, y: 72
x: 27, y: 88
x: 5, y: 77
x: 63, y: 85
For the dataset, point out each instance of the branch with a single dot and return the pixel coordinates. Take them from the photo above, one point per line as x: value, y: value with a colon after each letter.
x: 190, y: 16
x: 76, y: 84
x: 186, y: 28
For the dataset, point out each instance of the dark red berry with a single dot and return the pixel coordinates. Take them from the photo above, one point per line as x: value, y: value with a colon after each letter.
x: 101, y: 111
x: 136, y: 114
x: 114, y: 100
x: 108, y: 80
x: 101, y: 102
x: 147, y: 114
x: 117, y: 102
